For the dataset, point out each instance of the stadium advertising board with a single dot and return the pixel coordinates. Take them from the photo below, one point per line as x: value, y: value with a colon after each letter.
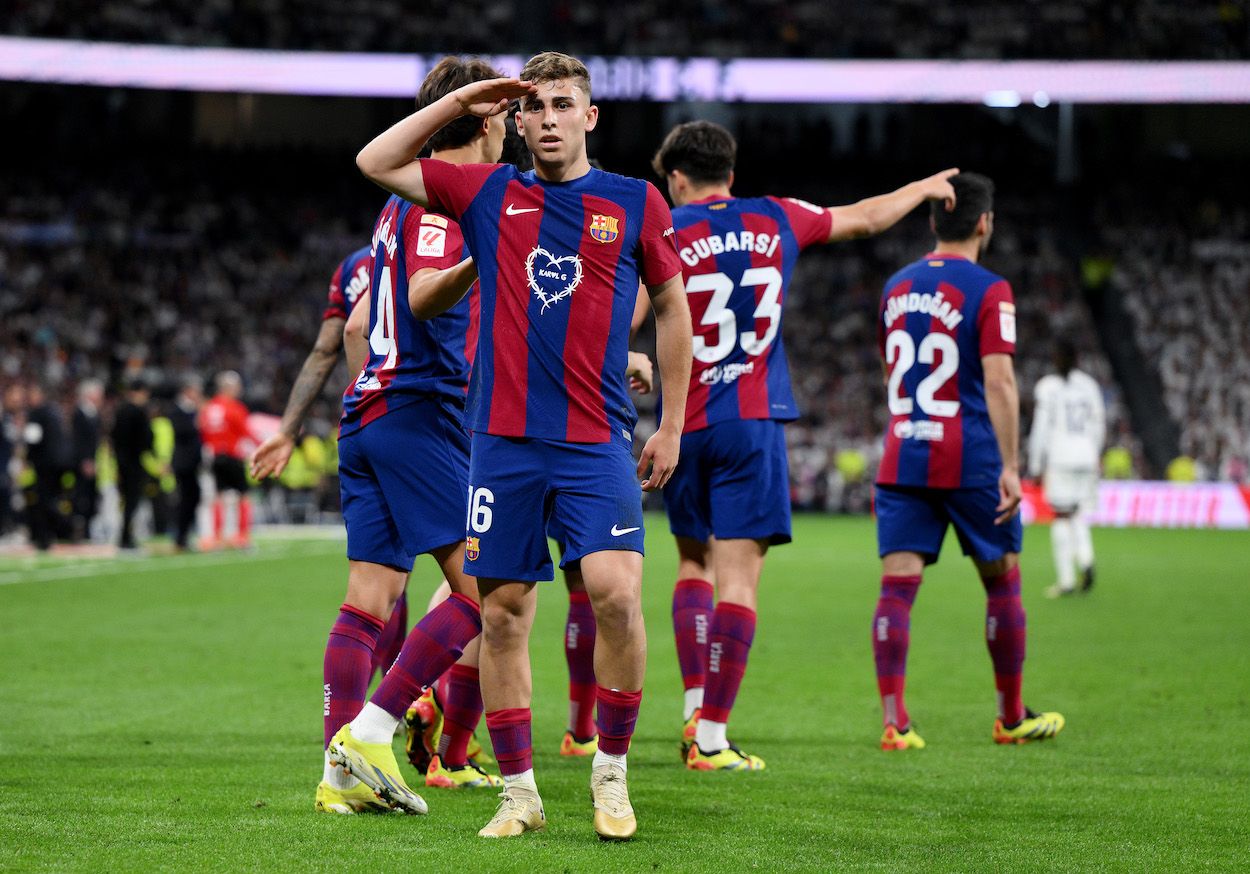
x: 1141, y: 504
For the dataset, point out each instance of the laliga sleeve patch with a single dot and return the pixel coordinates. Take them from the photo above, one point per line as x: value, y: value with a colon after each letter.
x: 1007, y: 321
x: 432, y: 242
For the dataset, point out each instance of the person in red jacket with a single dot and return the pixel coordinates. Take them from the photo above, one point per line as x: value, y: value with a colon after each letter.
x: 224, y: 429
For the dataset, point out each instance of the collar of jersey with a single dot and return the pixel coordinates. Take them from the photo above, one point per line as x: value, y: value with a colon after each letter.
x: 532, y: 178
x: 944, y: 255
x: 711, y: 198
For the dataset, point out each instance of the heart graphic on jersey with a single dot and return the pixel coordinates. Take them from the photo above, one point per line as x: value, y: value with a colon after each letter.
x: 552, y: 279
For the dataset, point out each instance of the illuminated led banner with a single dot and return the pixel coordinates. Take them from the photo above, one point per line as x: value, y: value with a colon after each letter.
x: 1137, y: 504
x: 994, y: 83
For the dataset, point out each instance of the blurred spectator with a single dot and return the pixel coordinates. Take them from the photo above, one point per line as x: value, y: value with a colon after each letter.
x: 1117, y: 463
x: 188, y: 454
x: 50, y: 453
x: 1182, y: 469
x: 12, y: 421
x: 86, y: 426
x: 132, y: 441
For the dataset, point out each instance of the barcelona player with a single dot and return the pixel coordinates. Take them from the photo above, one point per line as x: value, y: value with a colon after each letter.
x: 729, y: 501
x: 560, y: 253
x: 403, y: 459
x: 947, y: 331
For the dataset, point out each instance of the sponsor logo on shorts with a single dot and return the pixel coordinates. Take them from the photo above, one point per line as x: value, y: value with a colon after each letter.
x: 923, y: 430
x: 472, y: 548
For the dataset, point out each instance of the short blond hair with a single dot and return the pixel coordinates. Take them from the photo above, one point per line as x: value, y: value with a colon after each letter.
x: 554, y: 67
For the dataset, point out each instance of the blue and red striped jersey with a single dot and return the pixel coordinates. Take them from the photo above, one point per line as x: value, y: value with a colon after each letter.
x: 559, y: 265
x: 409, y: 358
x: 737, y: 255
x: 939, y: 317
x: 349, y: 282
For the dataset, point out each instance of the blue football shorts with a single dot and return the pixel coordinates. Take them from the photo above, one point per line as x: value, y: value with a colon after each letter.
x: 404, y: 478
x: 732, y: 481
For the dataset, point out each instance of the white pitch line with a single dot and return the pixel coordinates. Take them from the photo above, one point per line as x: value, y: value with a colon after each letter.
x: 119, y: 566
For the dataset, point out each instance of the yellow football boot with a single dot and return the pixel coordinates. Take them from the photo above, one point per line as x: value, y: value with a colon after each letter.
x: 614, y: 815
x: 375, y: 766
x: 477, y: 753
x: 520, y: 810
x: 907, y: 739
x: 1034, y: 726
x: 424, y: 727
x: 729, y: 759
x: 467, y: 776
x: 688, y: 732
x: 359, y: 799
x: 571, y: 746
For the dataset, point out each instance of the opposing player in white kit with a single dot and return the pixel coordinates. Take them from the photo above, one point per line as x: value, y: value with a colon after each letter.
x: 1069, y: 426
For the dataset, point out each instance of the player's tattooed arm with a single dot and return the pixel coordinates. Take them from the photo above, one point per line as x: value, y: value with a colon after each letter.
x: 271, y: 457
x: 388, y: 159
x: 355, y: 336
x: 1003, y: 400
x: 873, y: 215
x: 432, y: 292
x: 673, y: 340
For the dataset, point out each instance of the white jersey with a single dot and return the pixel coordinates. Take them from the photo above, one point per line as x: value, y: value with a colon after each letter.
x: 1069, y: 424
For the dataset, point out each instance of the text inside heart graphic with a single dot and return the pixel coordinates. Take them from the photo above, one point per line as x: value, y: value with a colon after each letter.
x: 545, y: 272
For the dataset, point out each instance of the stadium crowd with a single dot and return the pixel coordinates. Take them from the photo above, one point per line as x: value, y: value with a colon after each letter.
x: 1154, y: 29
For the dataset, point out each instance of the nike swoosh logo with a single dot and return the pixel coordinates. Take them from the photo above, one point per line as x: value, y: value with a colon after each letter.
x: 512, y: 210
x: 617, y: 532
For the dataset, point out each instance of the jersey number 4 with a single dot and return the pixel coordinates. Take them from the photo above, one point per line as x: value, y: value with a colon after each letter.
x: 382, y: 337
x: 901, y: 353
x: 719, y: 315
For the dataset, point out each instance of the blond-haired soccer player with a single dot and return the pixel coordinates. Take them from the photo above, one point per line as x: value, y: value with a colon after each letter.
x: 560, y: 251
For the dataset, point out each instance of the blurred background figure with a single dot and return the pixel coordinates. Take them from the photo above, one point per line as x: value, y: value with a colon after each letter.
x: 12, y: 420
x: 86, y: 431
x: 188, y: 454
x: 1065, y: 443
x: 132, y: 442
x: 50, y: 454
x: 224, y: 430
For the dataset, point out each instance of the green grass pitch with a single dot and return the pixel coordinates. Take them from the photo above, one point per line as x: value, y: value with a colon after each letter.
x: 165, y: 714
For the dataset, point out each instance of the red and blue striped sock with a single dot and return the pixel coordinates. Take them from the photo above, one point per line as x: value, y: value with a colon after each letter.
x: 891, y: 636
x: 510, y: 738
x: 1005, y: 638
x: 346, y: 669
x: 729, y: 644
x: 618, y: 712
x: 392, y: 639
x: 692, y: 617
x: 462, y: 710
x: 579, y: 650
x: 433, y: 646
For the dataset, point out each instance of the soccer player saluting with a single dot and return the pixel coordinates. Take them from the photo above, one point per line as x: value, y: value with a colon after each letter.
x: 560, y: 251
x: 1069, y: 426
x: 403, y: 468
x: 947, y: 333
x: 730, y: 498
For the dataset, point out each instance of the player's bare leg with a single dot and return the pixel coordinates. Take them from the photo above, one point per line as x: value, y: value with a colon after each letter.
x: 614, y: 582
x: 891, y: 636
x: 507, y: 617
x: 433, y: 645
x: 737, y: 564
x: 693, y: 603
x: 580, y: 632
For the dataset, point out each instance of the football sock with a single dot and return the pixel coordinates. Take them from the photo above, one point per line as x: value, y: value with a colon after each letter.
x: 891, y: 636
x: 1005, y: 637
x: 602, y: 758
x: 392, y: 637
x: 711, y: 736
x: 434, y: 645
x: 693, y: 701
x: 462, y: 709
x: 1061, y: 545
x: 579, y: 651
x: 219, y: 517
x: 617, y: 712
x: 733, y: 629
x: 245, y: 519
x: 510, y: 738
x: 692, y: 618
x: 1082, y: 542
x: 374, y: 725
x: 345, y: 671
x: 525, y: 780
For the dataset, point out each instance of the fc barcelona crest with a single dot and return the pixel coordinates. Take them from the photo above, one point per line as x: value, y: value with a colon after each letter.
x: 472, y: 548
x: 604, y: 228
